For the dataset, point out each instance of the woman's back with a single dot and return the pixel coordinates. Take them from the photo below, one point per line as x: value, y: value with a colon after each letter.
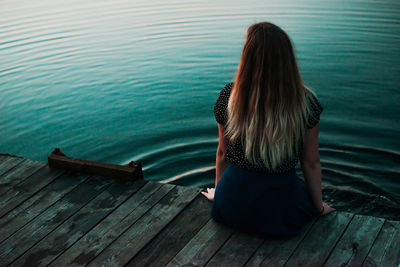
x: 267, y: 122
x: 235, y: 151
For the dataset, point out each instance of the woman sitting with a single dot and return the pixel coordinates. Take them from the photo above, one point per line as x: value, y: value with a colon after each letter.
x: 267, y: 121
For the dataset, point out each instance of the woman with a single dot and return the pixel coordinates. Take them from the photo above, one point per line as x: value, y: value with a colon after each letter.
x: 267, y: 122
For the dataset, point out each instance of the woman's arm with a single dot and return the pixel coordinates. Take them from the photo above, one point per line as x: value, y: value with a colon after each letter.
x: 311, y: 166
x: 221, y: 161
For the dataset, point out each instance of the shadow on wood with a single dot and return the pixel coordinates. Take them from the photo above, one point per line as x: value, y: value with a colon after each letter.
x: 133, y: 171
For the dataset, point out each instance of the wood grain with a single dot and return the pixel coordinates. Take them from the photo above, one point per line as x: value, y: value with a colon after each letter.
x: 140, y: 233
x: 79, y: 224
x: 356, y: 241
x: 42, y: 225
x: 203, y: 245
x: 175, y: 236
x: 386, y: 249
x: 315, y: 248
x: 24, y: 190
x: 38, y: 203
x: 18, y: 174
x: 103, y: 234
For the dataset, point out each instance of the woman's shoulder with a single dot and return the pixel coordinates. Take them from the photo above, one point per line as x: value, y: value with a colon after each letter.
x: 225, y: 93
x: 229, y: 85
x: 227, y: 88
x: 222, y: 103
x: 315, y: 108
x: 312, y: 97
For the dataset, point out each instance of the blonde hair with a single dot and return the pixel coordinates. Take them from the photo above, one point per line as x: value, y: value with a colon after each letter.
x: 267, y: 109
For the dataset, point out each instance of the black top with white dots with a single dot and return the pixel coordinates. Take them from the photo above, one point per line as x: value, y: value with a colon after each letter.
x: 235, y: 152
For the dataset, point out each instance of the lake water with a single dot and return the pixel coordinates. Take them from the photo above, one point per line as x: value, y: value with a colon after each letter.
x: 116, y: 81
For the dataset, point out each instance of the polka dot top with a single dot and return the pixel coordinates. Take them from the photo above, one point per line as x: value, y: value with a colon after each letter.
x: 235, y: 152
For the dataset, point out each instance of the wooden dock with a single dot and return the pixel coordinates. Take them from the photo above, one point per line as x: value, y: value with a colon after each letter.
x: 59, y: 218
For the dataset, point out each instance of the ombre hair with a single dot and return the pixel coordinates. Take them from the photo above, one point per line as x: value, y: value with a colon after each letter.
x: 267, y: 108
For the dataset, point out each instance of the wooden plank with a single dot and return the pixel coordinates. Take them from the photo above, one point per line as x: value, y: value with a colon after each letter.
x: 30, y: 234
x: 9, y: 163
x: 175, y: 235
x: 319, y: 242
x: 32, y: 207
x: 203, y: 245
x: 237, y: 250
x: 133, y: 171
x: 103, y: 234
x: 18, y: 174
x: 276, y: 252
x: 79, y: 224
x: 147, y: 227
x: 356, y: 241
x: 3, y: 158
x: 386, y: 249
x: 24, y: 190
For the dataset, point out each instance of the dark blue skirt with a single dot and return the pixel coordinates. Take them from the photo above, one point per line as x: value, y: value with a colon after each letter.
x: 272, y: 205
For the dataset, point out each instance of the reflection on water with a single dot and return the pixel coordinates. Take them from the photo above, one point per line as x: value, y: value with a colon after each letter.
x: 123, y: 80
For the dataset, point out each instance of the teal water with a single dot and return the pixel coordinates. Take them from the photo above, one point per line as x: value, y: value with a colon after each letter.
x: 116, y: 81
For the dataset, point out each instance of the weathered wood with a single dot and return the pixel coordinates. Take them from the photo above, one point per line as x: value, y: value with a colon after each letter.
x: 32, y: 207
x: 386, y: 249
x: 140, y: 233
x: 70, y: 219
x: 103, y: 234
x: 79, y: 224
x: 3, y: 158
x: 24, y: 190
x: 30, y: 234
x: 175, y: 235
x: 8, y: 163
x: 19, y: 174
x: 237, y: 250
x: 276, y: 252
x: 203, y: 245
x: 356, y: 241
x: 131, y: 172
x: 319, y: 242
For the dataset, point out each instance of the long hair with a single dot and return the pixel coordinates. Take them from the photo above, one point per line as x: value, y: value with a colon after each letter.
x: 267, y: 109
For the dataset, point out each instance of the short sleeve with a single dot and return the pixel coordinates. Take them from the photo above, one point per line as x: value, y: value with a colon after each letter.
x: 222, y: 104
x: 315, y: 110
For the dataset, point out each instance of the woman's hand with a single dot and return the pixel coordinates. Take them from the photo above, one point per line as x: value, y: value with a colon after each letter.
x: 210, y: 194
x: 326, y: 209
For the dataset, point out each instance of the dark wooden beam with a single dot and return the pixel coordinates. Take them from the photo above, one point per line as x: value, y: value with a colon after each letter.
x: 133, y: 171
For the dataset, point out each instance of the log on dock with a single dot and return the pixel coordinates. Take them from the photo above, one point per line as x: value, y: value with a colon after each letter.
x: 133, y: 171
x: 57, y: 217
